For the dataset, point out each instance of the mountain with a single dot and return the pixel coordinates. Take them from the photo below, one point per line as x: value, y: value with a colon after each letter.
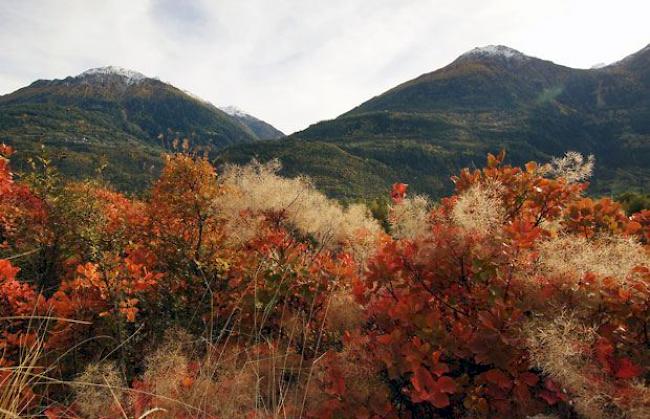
x: 116, y: 115
x: 489, y: 98
x: 261, y: 129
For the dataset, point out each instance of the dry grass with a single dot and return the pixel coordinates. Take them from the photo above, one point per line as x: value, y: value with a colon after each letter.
x: 239, y: 375
x: 230, y: 380
x: 16, y: 382
x: 561, y: 348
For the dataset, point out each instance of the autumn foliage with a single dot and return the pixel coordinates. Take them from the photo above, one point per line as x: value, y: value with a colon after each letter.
x: 516, y: 296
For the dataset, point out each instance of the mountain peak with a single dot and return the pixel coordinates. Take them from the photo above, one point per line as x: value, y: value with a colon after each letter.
x: 495, y: 51
x: 644, y: 52
x: 130, y: 76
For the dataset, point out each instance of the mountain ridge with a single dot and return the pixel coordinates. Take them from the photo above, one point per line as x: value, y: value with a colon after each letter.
x: 121, y: 114
x: 263, y: 130
x: 424, y: 129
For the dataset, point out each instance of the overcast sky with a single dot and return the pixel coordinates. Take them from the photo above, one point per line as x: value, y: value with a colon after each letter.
x: 295, y: 62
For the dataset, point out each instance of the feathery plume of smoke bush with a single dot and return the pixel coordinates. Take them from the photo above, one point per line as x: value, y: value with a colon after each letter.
x: 97, y: 389
x: 606, y: 256
x: 562, y: 349
x: 410, y: 217
x: 557, y: 347
x: 573, y: 167
x: 480, y: 208
x: 258, y: 189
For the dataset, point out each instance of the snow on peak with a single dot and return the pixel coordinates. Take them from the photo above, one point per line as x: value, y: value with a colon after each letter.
x: 233, y: 111
x: 130, y: 75
x: 494, y: 51
x: 598, y: 66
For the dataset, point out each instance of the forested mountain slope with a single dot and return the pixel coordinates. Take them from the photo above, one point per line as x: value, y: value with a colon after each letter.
x: 488, y: 99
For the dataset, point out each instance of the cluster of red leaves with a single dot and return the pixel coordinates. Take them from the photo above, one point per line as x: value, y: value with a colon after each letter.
x: 21, y: 212
x: 105, y: 292
x: 398, y: 192
x: 19, y: 209
x: 447, y: 311
x: 18, y: 304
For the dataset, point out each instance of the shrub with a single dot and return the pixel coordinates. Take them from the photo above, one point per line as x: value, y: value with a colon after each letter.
x: 523, y: 298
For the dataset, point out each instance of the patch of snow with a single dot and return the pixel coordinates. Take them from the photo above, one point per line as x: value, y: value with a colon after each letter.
x: 130, y: 75
x: 234, y: 111
x: 495, y: 51
x: 597, y: 66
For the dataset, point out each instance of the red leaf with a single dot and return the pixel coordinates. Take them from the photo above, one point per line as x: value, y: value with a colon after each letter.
x: 6, y: 150
x: 440, y: 369
x: 549, y: 397
x: 54, y: 413
x: 551, y: 385
x: 446, y: 384
x: 337, y: 384
x: 499, y: 378
x: 487, y: 319
x: 439, y: 400
x: 521, y: 392
x: 398, y: 192
x: 7, y: 270
x: 385, y: 339
x: 626, y: 369
x: 529, y: 378
x: 428, y: 389
x: 422, y: 381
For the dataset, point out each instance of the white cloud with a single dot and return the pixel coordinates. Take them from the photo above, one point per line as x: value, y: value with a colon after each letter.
x: 294, y: 62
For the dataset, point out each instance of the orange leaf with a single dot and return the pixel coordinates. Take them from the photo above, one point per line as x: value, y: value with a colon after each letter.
x: 398, y: 192
x: 531, y: 166
x: 187, y: 382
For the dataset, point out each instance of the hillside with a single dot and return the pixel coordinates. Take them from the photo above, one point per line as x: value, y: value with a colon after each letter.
x: 489, y: 98
x: 262, y: 130
x: 112, y: 114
